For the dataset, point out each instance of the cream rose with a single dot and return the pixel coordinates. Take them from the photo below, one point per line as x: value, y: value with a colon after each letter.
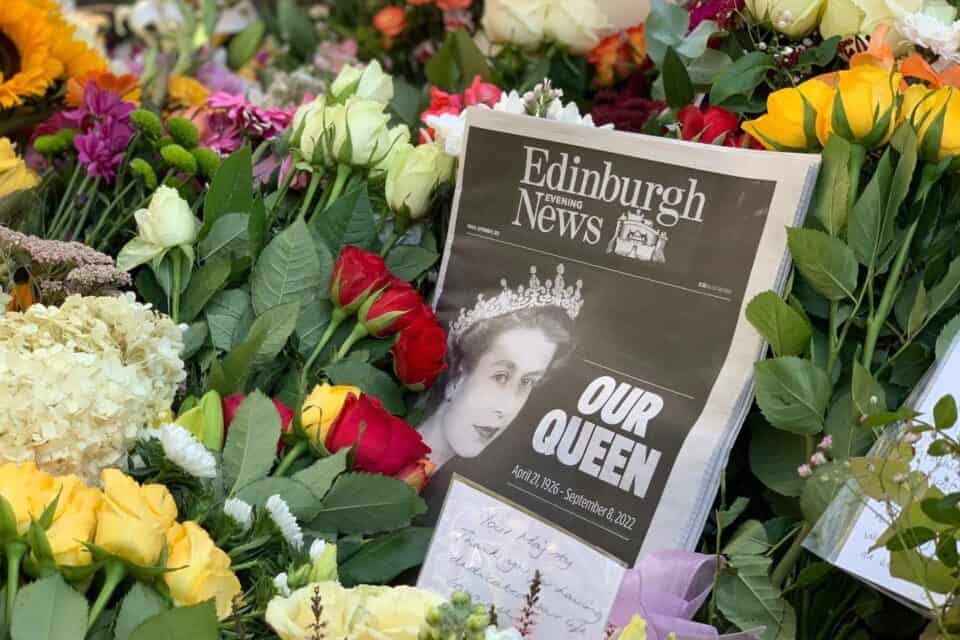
x: 577, y: 24
x: 794, y: 18
x: 517, y: 22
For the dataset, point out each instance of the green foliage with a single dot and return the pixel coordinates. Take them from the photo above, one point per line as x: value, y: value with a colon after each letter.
x: 367, y: 503
x: 456, y: 63
x: 48, y: 609
x: 200, y: 619
x: 250, y: 448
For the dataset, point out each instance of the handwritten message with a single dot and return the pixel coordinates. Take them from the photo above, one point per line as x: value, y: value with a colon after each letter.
x: 491, y: 550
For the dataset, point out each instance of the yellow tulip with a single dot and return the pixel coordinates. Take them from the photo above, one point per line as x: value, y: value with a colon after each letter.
x: 74, y: 522
x: 14, y: 173
x: 204, y: 572
x: 322, y: 407
x: 133, y: 520
x: 864, y: 107
x: 926, y: 111
x: 790, y: 121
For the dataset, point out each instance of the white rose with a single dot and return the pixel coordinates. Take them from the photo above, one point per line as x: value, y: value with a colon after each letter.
x: 375, y: 84
x: 317, y: 132
x: 300, y: 118
x: 360, y: 134
x: 345, y: 84
x: 518, y: 22
x: 395, y: 139
x: 794, y: 18
x: 577, y: 24
x: 414, y: 176
x: 167, y: 222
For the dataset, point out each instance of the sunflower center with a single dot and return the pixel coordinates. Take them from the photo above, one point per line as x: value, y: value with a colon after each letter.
x: 9, y: 57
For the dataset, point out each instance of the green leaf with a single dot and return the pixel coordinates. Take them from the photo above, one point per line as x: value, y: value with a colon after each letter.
x: 409, y: 262
x: 865, y: 234
x: 942, y: 292
x: 229, y: 316
x: 825, y: 262
x: 728, y: 516
x: 775, y: 456
x: 204, y: 284
x: 457, y: 62
x: 349, y: 220
x: 367, y: 503
x: 251, y: 445
x: 943, y: 510
x: 140, y: 603
x: 833, y: 185
x: 676, y: 81
x: 945, y: 412
x: 786, y: 330
x: 245, y: 44
x: 311, y: 324
x: 405, y: 104
x: 297, y: 28
x: 48, y: 609
x: 257, y: 228
x: 279, y: 323
x: 820, y: 55
x: 947, y: 335
x: 821, y: 488
x: 917, y: 568
x: 750, y: 538
x: 382, y: 559
x: 811, y: 575
x: 193, y: 339
x: 850, y: 438
x: 289, y: 270
x: 905, y: 139
x: 910, y: 538
x: 371, y: 381
x: 228, y: 235
x: 200, y: 619
x: 918, y: 311
x: 746, y: 597
x: 793, y: 394
x: 232, y: 375
x: 868, y: 394
x: 319, y: 476
x: 301, y: 500
x: 231, y: 190
x: 741, y: 77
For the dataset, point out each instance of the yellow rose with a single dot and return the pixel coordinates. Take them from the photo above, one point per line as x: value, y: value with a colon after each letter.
x: 925, y: 110
x: 291, y: 617
x: 863, y: 108
x: 74, y: 522
x: 205, y: 569
x: 133, y: 519
x: 794, y: 18
x: 395, y: 613
x: 14, y: 174
x: 322, y: 406
x: 28, y: 490
x: 791, y: 118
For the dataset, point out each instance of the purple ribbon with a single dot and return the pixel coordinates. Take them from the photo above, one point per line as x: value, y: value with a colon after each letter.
x: 667, y: 588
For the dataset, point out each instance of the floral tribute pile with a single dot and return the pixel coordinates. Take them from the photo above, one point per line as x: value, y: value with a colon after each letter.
x: 220, y: 221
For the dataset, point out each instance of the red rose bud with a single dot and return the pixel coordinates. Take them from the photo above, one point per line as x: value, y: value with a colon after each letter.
x: 420, y: 354
x: 386, y: 445
x: 230, y: 405
x: 417, y: 474
x: 392, y: 309
x: 356, y: 275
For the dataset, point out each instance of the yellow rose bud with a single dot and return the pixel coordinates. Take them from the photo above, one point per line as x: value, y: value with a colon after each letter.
x: 205, y: 569
x: 322, y: 407
x: 133, y: 520
x: 926, y: 111
x: 74, y: 522
x: 863, y: 109
x: 791, y: 118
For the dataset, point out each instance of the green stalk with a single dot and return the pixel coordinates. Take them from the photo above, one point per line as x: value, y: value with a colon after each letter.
x: 312, y: 189
x: 790, y: 558
x: 359, y: 333
x: 91, y: 196
x: 115, y: 573
x: 175, y: 294
x: 343, y: 173
x: 92, y: 238
x: 336, y: 319
x: 834, y: 343
x: 295, y: 452
x: 858, y: 154
x: 14, y: 552
x: 390, y: 244
x: 59, y: 216
x: 875, y: 323
x: 284, y: 186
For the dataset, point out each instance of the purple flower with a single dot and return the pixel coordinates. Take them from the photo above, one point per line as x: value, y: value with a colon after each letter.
x: 219, y: 78
x: 221, y: 132
x: 101, y: 150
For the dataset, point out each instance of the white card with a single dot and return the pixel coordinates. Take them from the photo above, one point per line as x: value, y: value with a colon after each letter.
x: 490, y: 549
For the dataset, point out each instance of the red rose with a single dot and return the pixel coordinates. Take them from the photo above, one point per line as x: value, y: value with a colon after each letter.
x: 392, y: 309
x: 417, y: 474
x: 710, y: 124
x: 442, y: 102
x: 356, y: 275
x: 232, y: 403
x: 480, y: 92
x: 387, y: 443
x: 420, y: 354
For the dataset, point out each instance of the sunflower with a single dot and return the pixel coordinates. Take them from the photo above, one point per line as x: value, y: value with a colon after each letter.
x: 27, y: 64
x: 79, y: 59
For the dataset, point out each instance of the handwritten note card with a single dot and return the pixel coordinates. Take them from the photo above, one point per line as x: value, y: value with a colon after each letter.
x: 490, y: 549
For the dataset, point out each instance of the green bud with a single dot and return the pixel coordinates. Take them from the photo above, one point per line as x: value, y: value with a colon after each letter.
x: 480, y: 610
x: 164, y: 141
x: 49, y: 145
x: 478, y: 622
x: 147, y: 123
x: 8, y: 522
x: 460, y: 598
x: 142, y: 168
x: 207, y: 161
x: 67, y: 135
x: 324, y: 567
x: 183, y: 132
x: 179, y: 158
x: 299, y: 577
x: 433, y: 616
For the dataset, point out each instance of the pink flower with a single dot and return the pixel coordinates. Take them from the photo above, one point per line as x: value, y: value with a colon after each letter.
x: 424, y: 51
x: 826, y: 443
x: 332, y: 57
x: 480, y: 92
x: 804, y: 471
x: 818, y: 459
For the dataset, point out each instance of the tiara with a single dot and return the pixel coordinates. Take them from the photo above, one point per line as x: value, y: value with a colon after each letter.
x: 552, y: 293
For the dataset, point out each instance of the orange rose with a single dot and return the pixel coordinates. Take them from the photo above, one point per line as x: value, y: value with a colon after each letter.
x: 390, y: 21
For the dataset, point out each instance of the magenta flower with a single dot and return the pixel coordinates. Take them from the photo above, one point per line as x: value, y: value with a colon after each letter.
x: 264, y: 124
x: 101, y: 150
x: 723, y: 11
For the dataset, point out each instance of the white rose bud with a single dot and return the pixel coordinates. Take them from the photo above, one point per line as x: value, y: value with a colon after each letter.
x: 395, y: 139
x: 375, y: 84
x: 168, y: 220
x: 794, y: 18
x: 345, y: 84
x: 518, y: 22
x: 577, y: 24
x: 309, y: 123
x: 361, y: 136
x: 414, y: 176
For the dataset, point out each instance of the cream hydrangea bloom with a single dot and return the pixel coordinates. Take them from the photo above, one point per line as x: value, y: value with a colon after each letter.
x: 77, y: 382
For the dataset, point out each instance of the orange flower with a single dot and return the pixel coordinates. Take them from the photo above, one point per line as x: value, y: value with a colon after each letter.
x: 184, y: 91
x: 454, y: 5
x: 390, y: 21
x: 127, y: 86
x: 606, y: 56
x: 638, y: 44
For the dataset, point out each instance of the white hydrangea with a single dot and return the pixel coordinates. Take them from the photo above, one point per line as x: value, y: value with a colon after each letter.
x: 184, y: 450
x: 282, y: 517
x: 930, y: 32
x: 79, y: 381
x: 239, y: 511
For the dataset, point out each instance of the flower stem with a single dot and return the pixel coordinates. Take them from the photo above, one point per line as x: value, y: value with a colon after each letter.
x: 14, y: 552
x: 258, y: 152
x: 790, y: 558
x: 359, y: 333
x: 175, y: 293
x: 291, y: 456
x: 115, y: 573
x: 343, y: 173
x: 284, y: 186
x: 60, y: 219
x: 307, y: 199
x: 91, y: 196
x: 390, y: 244
x: 336, y: 319
x: 92, y: 238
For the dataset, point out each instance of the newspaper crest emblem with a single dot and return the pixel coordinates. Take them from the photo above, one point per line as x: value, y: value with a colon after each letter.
x: 638, y: 237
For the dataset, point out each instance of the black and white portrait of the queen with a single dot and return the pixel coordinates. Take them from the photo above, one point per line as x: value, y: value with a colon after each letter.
x: 499, y: 350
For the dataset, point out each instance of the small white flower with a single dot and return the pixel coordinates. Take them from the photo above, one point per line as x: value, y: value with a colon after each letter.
x: 511, y: 102
x: 450, y: 130
x: 280, y: 583
x: 240, y: 512
x: 804, y: 471
x: 900, y: 477
x: 826, y: 443
x: 929, y: 32
x: 280, y: 514
x: 818, y: 459
x: 316, y: 549
x: 184, y: 450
